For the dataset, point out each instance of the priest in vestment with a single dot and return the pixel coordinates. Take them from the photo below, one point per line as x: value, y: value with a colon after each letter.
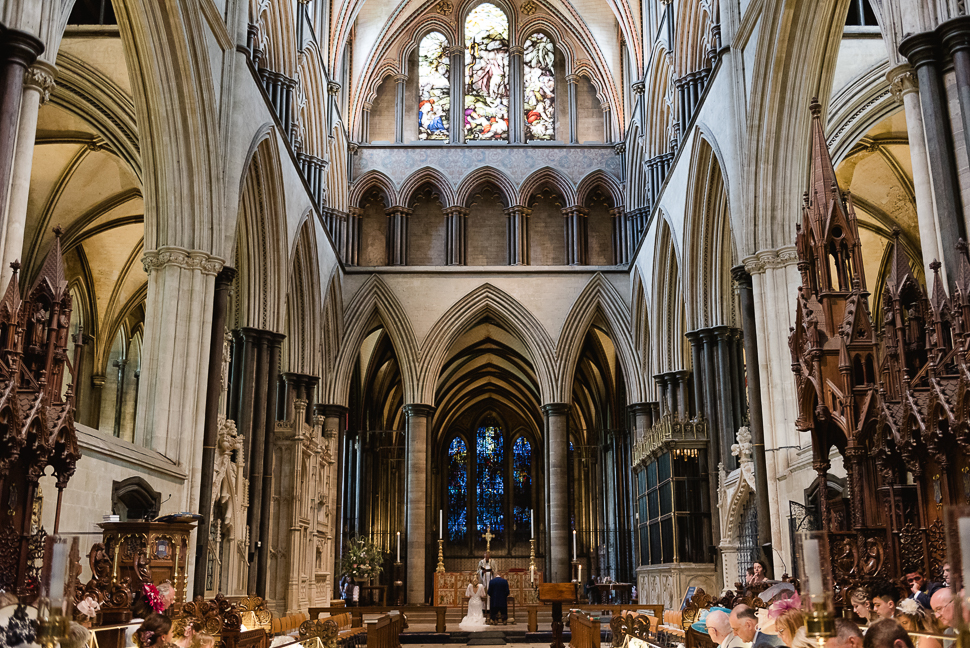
x: 485, y: 570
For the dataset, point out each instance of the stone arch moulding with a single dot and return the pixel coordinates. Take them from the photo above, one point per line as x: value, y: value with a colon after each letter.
x: 427, y: 175
x: 370, y: 180
x: 543, y: 24
x: 596, y: 179
x: 374, y: 299
x: 551, y: 176
x: 599, y: 296
x: 474, y: 181
x: 468, y: 312
x: 422, y: 28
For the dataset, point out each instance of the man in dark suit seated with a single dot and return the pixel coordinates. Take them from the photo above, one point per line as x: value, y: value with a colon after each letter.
x: 498, y: 592
x: 744, y: 623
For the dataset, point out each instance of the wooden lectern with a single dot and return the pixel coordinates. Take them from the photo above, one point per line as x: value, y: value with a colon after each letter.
x: 557, y: 594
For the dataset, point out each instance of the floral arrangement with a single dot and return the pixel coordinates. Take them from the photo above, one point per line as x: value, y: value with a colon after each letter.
x: 362, y: 559
x: 153, y: 597
x: 89, y: 607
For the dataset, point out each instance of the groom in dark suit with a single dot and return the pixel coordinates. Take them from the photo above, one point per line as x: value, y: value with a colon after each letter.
x: 498, y: 591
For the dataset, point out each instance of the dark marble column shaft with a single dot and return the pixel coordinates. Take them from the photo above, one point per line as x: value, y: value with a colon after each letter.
x: 557, y: 425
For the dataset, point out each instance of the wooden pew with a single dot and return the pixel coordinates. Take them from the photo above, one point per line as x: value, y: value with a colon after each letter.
x: 584, y: 630
x: 385, y: 631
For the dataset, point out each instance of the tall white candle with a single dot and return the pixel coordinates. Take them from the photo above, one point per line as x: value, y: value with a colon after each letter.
x: 399, y: 546
x: 532, y: 523
x: 813, y: 566
x: 441, y: 524
x: 579, y: 578
x: 574, y: 544
x: 58, y: 573
x: 963, y: 526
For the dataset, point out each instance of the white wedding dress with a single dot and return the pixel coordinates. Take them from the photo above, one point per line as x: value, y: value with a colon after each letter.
x: 475, y: 619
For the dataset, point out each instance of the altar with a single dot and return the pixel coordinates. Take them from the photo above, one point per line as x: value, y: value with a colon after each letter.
x: 449, y: 587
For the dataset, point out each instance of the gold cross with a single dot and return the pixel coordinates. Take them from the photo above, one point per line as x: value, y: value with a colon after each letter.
x: 488, y: 538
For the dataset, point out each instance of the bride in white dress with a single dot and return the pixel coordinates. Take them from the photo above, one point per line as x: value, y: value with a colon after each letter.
x: 475, y: 619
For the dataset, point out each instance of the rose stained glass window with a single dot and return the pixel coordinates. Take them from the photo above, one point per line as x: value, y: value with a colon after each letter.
x: 457, y: 490
x: 434, y: 91
x: 486, y: 74
x: 540, y: 88
x: 490, y: 480
x: 522, y: 487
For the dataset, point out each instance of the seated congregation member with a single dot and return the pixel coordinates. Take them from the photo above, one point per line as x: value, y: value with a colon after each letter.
x: 847, y: 635
x: 719, y: 629
x: 788, y: 617
x: 155, y: 632
x: 914, y: 618
x: 744, y: 623
x: 884, y: 597
x: 943, y: 609
x: 886, y: 633
x: 861, y: 604
x: 919, y: 589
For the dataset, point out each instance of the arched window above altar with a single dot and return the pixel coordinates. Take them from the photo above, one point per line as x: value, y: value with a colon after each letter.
x: 490, y: 477
x: 540, y: 87
x: 522, y: 487
x: 486, y: 111
x: 457, y: 490
x: 434, y: 90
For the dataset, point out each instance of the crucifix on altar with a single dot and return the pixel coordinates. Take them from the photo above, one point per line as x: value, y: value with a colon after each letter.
x: 488, y: 538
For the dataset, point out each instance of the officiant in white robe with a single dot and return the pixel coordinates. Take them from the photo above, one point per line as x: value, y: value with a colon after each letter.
x: 486, y: 567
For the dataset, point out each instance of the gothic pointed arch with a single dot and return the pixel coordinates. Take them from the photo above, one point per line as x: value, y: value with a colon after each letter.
x: 599, y: 179
x: 547, y: 176
x: 427, y: 176
x: 668, y: 341
x: 303, y: 310
x: 485, y: 176
x: 374, y: 304
x: 373, y: 180
x: 486, y: 301
x: 599, y: 297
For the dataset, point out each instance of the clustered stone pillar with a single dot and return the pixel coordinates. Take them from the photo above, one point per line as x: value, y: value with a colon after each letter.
x: 516, y: 104
x: 210, y: 433
x: 903, y: 83
x: 334, y: 430
x: 418, y: 422
x: 576, y: 251
x: 557, y: 513
x: 351, y: 247
x: 920, y: 49
x: 38, y: 83
x: 517, y: 218
x: 18, y: 52
x: 755, y: 417
x: 572, y: 80
x: 455, y: 240
x: 397, y: 235
x: 401, y: 81
x: 456, y: 129
x: 622, y: 248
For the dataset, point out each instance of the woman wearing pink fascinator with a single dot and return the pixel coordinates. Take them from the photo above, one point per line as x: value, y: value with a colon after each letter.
x: 788, y: 617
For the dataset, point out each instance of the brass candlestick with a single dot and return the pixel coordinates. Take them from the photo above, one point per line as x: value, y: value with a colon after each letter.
x: 532, y: 564
x: 441, y: 556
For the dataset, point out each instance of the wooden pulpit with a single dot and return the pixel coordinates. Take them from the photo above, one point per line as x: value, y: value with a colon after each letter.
x: 557, y: 594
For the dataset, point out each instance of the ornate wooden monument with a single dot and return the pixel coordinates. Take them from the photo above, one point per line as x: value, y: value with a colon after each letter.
x: 891, y: 395
x: 36, y: 414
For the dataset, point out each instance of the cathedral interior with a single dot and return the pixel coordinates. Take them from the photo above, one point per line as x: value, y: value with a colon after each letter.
x: 636, y: 289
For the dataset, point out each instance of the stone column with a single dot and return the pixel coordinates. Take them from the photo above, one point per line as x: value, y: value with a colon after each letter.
x: 902, y: 81
x: 638, y: 88
x: 920, y: 50
x: 273, y: 343
x: 725, y: 398
x: 697, y: 364
x: 333, y: 432
x: 456, y: 128
x: 352, y: 250
x: 397, y: 235
x: 171, y: 394
x: 557, y: 425
x: 256, y: 460
x: 571, y: 82
x: 418, y: 422
x: 455, y: 240
x: 749, y: 322
x: 621, y: 245
x: 641, y: 414
x: 333, y: 89
x: 955, y: 35
x: 18, y: 52
x: 400, y: 80
x: 516, y: 98
x: 518, y: 234
x: 365, y: 122
x: 38, y: 83
x: 607, y: 126
x: 576, y: 248
x: 218, y: 362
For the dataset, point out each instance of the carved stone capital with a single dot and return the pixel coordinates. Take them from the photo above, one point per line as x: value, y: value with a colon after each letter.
x: 638, y: 87
x: 902, y: 81
x: 572, y: 78
x: 620, y: 148
x: 186, y: 259
x: 451, y: 50
x: 333, y: 87
x: 516, y: 50
x: 40, y: 76
x: 400, y: 78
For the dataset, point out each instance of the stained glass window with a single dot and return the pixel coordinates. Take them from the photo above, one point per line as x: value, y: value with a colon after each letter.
x: 457, y: 490
x: 490, y: 482
x: 486, y: 74
x: 434, y: 91
x: 540, y: 88
x: 522, y: 487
